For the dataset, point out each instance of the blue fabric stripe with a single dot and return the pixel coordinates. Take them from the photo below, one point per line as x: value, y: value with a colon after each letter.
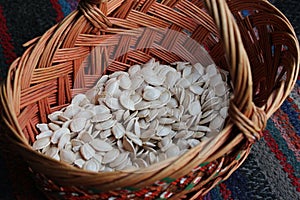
x: 238, y: 179
x: 293, y: 115
x: 73, y: 4
x: 65, y: 7
x: 215, y: 193
x: 282, y: 145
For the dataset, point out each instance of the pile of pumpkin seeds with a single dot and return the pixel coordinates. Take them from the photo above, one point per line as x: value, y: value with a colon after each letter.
x: 133, y: 119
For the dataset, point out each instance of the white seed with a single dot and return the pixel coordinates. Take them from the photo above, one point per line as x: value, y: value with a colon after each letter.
x: 67, y: 156
x: 141, y: 163
x: 118, y: 130
x: 42, y: 127
x: 64, y: 139
x: 110, y: 156
x: 134, y: 69
x: 58, y: 133
x: 53, y: 126
x: 41, y: 143
x: 105, y: 125
x: 125, y: 82
x: 125, y: 100
x: 91, y: 165
x: 163, y: 131
x: 45, y: 133
x: 134, y: 138
x: 216, y: 123
x: 223, y: 112
x: 101, y: 109
x: 148, y: 133
x: 101, y: 117
x: 112, y: 103
x: 120, y: 159
x: 53, y: 153
x: 172, y: 151
x: 79, y: 163
x: 100, y: 145
x: 78, y: 124
x: 151, y: 93
x: 87, y: 151
x: 112, y: 86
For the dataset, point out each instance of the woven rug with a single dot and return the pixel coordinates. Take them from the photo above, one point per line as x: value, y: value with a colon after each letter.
x: 272, y: 170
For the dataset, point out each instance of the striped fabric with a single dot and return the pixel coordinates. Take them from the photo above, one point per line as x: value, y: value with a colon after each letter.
x: 272, y: 170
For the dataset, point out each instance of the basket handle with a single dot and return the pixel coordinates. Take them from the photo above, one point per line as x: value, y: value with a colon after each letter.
x: 250, y: 119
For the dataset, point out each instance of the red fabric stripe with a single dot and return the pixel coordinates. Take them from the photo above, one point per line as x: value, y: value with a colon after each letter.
x: 226, y: 193
x: 57, y: 8
x: 280, y: 119
x: 295, y: 106
x: 5, y: 40
x: 288, y: 168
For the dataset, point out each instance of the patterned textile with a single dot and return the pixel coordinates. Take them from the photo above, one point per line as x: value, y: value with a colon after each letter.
x: 272, y: 170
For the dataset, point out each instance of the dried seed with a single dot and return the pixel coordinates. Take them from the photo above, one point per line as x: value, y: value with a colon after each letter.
x: 172, y: 151
x: 85, y: 114
x: 195, y: 108
x: 148, y: 134
x: 79, y: 163
x: 64, y: 139
x: 87, y: 151
x: 101, y: 117
x: 105, y: 125
x: 134, y: 138
x: 216, y: 123
x: 53, y: 126
x: 209, y: 118
x: 151, y: 93
x: 67, y: 156
x: 101, y: 109
x: 163, y: 131
x: 120, y: 159
x: 91, y: 165
x: 53, y: 153
x: 85, y: 137
x: 141, y: 163
x: 118, y: 130
x: 45, y: 133
x: 125, y: 100
x: 77, y: 124
x: 166, y: 120
x: 128, y: 145
x: 223, y: 112
x: 100, y: 145
x: 58, y: 133
x: 41, y: 143
x: 42, y: 127
x: 110, y: 156
x: 112, y: 103
x: 125, y: 82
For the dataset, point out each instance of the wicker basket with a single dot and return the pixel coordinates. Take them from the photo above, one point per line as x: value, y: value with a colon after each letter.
x: 250, y: 39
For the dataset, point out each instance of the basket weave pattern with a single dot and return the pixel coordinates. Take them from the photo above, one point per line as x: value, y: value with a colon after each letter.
x: 251, y: 40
